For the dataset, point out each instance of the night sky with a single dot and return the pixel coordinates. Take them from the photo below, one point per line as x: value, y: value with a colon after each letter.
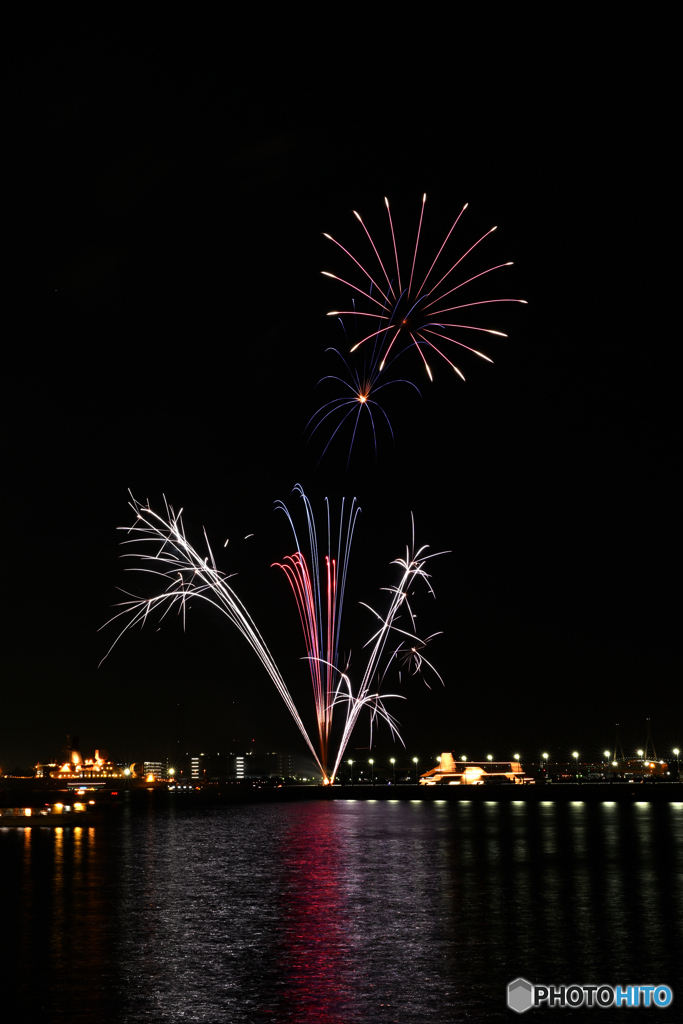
x: 171, y: 190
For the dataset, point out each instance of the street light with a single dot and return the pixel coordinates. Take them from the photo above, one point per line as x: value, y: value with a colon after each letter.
x: 676, y: 751
x: 575, y: 755
x: 372, y: 769
x: 415, y: 761
x: 463, y: 758
x: 516, y: 757
x: 640, y: 753
x: 393, y: 765
x: 489, y: 757
x: 545, y: 766
x: 350, y: 763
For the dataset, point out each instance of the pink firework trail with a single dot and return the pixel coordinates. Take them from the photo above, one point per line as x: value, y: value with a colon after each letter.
x: 403, y: 317
x: 319, y: 594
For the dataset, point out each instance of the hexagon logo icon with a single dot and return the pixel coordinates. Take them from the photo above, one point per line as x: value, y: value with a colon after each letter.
x: 520, y: 995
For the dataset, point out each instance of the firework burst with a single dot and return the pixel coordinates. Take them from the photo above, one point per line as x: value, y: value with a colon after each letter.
x: 404, y: 312
x: 360, y: 388
x: 163, y: 551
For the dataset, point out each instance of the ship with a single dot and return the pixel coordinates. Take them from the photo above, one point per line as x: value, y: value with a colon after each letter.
x: 450, y: 772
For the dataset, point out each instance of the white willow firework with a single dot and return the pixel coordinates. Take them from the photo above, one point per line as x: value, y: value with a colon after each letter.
x: 412, y: 568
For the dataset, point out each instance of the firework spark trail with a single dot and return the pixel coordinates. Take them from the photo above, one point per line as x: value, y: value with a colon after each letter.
x: 189, y: 575
x: 355, y: 401
x: 403, y: 317
x: 307, y: 589
x: 321, y: 633
x: 412, y: 569
x: 299, y: 577
x: 417, y: 242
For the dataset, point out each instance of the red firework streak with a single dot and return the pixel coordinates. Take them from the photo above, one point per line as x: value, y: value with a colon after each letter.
x: 319, y: 597
x: 321, y: 657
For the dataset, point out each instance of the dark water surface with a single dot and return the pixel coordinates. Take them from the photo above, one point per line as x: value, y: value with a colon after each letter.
x: 338, y: 912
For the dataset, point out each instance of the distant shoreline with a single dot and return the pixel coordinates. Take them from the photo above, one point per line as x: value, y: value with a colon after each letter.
x: 659, y: 792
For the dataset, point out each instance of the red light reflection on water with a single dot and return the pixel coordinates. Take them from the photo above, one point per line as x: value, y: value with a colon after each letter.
x: 315, y: 948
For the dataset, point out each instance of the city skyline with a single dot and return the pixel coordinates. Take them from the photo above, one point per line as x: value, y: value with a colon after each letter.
x: 385, y: 757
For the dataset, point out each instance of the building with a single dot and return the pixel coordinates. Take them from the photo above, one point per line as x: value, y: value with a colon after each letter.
x: 238, y: 766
